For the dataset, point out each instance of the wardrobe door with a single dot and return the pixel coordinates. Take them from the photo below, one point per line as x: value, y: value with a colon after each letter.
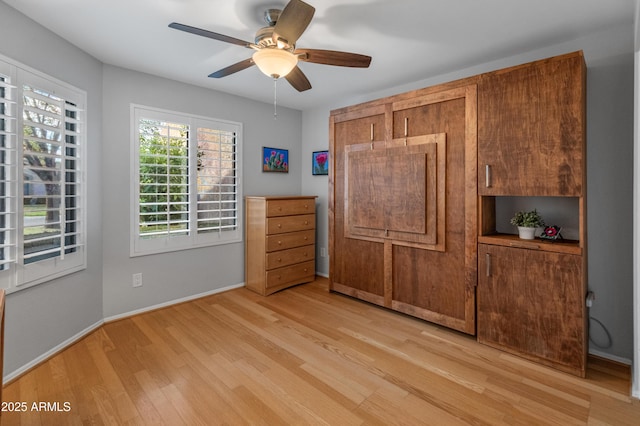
x: 531, y: 129
x: 531, y: 303
x: 357, y: 265
x: 437, y: 283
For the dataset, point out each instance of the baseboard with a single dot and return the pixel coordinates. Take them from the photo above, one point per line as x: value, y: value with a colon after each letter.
x: 610, y: 357
x: 322, y: 274
x: 45, y: 356
x: 171, y: 303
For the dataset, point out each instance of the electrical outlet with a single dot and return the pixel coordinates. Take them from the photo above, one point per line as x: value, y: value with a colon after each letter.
x: 591, y: 296
x: 323, y: 252
x: 137, y: 280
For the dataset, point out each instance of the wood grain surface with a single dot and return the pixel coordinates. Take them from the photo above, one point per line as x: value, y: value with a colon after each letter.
x: 306, y: 356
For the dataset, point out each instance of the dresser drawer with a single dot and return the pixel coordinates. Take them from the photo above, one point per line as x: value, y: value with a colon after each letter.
x: 278, y: 225
x: 291, y: 274
x: 278, y: 259
x: 290, y: 207
x: 290, y: 240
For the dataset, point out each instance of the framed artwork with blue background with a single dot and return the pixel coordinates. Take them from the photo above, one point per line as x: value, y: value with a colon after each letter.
x: 275, y: 160
x: 320, y: 163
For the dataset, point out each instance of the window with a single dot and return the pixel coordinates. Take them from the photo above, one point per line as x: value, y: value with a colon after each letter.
x: 187, y: 181
x: 42, y: 212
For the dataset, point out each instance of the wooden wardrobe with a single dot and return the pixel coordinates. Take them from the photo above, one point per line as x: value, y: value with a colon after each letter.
x: 403, y: 204
x: 414, y: 181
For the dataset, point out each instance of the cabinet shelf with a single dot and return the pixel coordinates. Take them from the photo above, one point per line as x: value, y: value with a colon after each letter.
x: 509, y: 240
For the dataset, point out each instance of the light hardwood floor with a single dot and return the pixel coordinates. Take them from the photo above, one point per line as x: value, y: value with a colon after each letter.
x: 305, y: 356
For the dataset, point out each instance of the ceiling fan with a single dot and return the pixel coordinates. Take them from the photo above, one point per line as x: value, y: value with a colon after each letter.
x: 275, y: 46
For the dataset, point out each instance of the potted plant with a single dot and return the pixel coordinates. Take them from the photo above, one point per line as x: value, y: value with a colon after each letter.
x: 527, y: 222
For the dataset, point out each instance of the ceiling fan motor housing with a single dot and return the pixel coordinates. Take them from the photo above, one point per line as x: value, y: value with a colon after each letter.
x: 264, y: 37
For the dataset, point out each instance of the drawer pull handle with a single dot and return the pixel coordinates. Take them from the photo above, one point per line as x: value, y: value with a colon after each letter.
x: 306, y: 222
x: 487, y: 176
x: 279, y: 243
x: 488, y: 258
x: 279, y: 225
x: 306, y: 206
x: 306, y: 238
x: 279, y: 260
x: 305, y: 269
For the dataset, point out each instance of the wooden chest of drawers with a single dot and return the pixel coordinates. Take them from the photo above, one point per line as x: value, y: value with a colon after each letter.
x: 280, y: 237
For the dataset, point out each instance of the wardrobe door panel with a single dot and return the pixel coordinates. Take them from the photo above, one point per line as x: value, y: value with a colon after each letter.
x: 531, y: 129
x: 357, y: 266
x: 392, y: 192
x: 367, y: 192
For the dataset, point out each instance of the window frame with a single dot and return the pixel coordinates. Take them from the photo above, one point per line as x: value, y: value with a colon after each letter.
x: 18, y: 275
x: 148, y: 246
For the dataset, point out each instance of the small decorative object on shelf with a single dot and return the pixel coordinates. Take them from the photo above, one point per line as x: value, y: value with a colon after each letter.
x: 551, y: 233
x: 527, y: 222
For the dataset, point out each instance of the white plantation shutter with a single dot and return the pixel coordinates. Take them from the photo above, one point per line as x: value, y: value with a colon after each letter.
x: 8, y: 173
x: 217, y: 181
x: 42, y: 194
x: 50, y: 154
x: 187, y: 181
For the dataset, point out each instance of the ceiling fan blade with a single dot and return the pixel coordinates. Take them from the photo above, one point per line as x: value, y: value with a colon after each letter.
x: 298, y: 80
x: 292, y: 22
x: 332, y: 57
x: 232, y: 68
x: 210, y: 34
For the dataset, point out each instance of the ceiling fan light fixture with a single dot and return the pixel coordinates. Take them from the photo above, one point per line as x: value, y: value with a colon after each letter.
x: 275, y: 63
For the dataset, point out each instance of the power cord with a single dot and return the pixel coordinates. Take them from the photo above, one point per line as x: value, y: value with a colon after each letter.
x: 590, y: 298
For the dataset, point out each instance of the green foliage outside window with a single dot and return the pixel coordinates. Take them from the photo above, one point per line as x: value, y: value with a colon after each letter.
x: 164, y: 178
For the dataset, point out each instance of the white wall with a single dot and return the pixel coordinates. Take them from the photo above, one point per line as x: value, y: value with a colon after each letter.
x: 635, y: 390
x: 636, y: 233
x: 610, y: 203
x: 609, y: 58
x: 177, y: 275
x: 41, y: 318
x: 315, y: 136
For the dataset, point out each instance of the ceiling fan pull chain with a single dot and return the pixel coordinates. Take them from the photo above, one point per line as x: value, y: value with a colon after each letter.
x: 275, y: 98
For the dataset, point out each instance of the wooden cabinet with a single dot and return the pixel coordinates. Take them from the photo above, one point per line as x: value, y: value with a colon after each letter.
x: 280, y: 242
x: 531, y: 129
x: 530, y: 303
x: 531, y: 143
x: 417, y: 182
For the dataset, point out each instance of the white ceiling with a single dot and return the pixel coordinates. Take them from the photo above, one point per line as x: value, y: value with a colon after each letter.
x: 409, y: 40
